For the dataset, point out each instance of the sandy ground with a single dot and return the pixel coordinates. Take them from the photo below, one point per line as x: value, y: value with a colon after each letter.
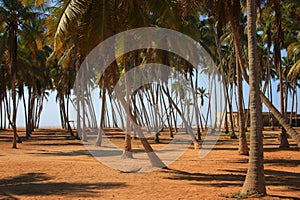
x: 52, y: 166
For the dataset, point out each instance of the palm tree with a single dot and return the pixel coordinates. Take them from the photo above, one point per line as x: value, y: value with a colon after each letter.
x: 234, y: 15
x: 14, y: 17
x: 277, y: 60
x: 255, y: 179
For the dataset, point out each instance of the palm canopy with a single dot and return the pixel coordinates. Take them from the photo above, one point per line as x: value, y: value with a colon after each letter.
x: 97, y: 20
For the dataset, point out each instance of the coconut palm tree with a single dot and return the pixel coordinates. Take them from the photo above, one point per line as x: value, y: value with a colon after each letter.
x: 15, y: 17
x: 255, y: 179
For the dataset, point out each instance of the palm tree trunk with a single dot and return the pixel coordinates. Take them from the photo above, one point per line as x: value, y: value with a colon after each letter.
x: 187, y: 126
x: 168, y: 116
x: 293, y: 102
x: 281, y: 119
x: 255, y: 178
x: 100, y: 131
x: 197, y: 113
x: 154, y: 159
x: 271, y: 101
x: 277, y: 60
x: 127, y: 145
x: 13, y: 68
x: 232, y: 135
x: 25, y: 113
x: 243, y: 147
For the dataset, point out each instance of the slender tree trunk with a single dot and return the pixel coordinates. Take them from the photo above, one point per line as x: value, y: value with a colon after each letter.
x: 168, y: 116
x: 156, y: 113
x: 25, y: 113
x: 281, y: 119
x: 277, y: 60
x: 154, y: 159
x: 127, y: 145
x: 83, y: 107
x: 234, y: 13
x: 187, y: 126
x: 13, y: 27
x: 271, y: 101
x: 196, y: 104
x: 232, y: 122
x: 102, y: 117
x: 1, y: 115
x: 293, y: 102
x: 255, y: 178
x: 243, y: 147
x: 67, y: 122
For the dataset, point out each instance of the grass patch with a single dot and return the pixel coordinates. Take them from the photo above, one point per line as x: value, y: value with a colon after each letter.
x: 239, y: 195
x: 228, y: 133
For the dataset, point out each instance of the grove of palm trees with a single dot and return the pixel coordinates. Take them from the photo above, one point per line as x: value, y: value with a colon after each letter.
x: 181, y: 99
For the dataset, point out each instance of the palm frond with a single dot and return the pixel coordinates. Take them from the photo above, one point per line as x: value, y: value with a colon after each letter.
x: 72, y: 11
x: 295, y: 70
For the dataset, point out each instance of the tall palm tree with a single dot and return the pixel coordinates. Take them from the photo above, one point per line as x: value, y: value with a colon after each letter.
x: 234, y: 15
x: 277, y: 60
x: 255, y: 179
x: 14, y: 18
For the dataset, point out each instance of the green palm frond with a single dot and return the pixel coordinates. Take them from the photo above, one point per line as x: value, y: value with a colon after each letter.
x: 36, y: 3
x: 72, y: 11
x: 295, y: 70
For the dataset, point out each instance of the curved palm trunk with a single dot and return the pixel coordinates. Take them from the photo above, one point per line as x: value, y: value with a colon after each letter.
x: 255, y: 178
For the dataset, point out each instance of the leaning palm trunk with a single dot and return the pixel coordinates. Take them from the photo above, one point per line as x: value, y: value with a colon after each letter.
x: 187, y: 126
x: 154, y: 159
x: 281, y: 119
x: 255, y: 179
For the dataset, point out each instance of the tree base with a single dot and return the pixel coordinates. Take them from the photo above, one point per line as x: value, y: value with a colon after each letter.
x: 197, y: 144
x: 233, y: 136
x: 244, y: 153
x: 284, y: 143
x: 155, y: 161
x: 127, y: 154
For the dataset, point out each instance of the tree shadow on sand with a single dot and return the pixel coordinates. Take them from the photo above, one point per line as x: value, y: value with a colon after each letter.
x: 237, y: 177
x: 219, y: 180
x: 37, y: 184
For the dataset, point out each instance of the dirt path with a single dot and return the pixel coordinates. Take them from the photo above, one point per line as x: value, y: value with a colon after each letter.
x: 51, y: 166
